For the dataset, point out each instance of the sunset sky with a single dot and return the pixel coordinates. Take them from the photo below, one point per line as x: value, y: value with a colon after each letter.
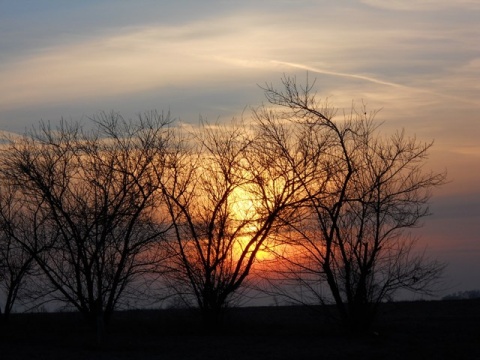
x: 417, y: 60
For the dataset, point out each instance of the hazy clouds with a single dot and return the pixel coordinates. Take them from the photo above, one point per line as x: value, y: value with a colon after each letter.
x: 417, y: 60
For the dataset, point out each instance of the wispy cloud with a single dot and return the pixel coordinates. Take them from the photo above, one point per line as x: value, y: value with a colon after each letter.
x: 225, y: 49
x: 423, y: 5
x: 134, y: 60
x: 341, y: 74
x: 374, y: 80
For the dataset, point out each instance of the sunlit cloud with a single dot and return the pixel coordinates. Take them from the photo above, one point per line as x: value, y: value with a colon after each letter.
x: 387, y: 68
x: 341, y: 74
x: 220, y: 50
x: 136, y: 60
x: 423, y: 5
x: 468, y: 150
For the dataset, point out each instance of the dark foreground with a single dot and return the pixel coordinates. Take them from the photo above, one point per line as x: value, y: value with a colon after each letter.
x: 416, y: 330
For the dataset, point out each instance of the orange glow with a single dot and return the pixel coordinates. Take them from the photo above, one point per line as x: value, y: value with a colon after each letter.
x: 245, y: 213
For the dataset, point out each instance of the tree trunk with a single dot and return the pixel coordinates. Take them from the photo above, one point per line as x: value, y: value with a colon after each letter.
x: 96, y: 320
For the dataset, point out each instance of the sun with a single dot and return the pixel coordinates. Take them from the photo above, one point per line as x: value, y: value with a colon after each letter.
x: 245, y: 211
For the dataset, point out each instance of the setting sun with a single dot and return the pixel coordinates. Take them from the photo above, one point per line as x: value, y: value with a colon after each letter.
x: 167, y: 165
x: 246, y: 216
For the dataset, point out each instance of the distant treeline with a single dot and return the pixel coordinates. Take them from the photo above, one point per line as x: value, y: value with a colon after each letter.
x: 463, y: 295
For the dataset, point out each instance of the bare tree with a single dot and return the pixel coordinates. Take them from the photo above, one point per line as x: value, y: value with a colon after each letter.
x: 362, y: 191
x: 97, y: 192
x: 16, y: 263
x: 223, y: 205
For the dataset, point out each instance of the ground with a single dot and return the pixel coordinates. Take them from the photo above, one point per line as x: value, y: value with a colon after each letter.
x: 410, y: 330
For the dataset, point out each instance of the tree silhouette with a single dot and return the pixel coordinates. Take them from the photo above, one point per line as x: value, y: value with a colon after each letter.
x: 96, y: 190
x: 224, y: 202
x: 362, y: 191
x: 99, y: 211
x: 16, y: 263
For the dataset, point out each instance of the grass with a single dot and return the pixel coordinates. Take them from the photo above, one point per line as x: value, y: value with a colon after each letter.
x: 411, y: 330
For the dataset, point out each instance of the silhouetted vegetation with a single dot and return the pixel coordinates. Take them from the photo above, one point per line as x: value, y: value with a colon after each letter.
x: 86, y: 207
x: 98, y: 216
x: 225, y: 199
x: 362, y: 191
x: 16, y: 263
x: 463, y: 295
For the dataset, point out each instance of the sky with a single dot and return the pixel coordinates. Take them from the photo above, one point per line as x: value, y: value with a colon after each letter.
x: 416, y: 60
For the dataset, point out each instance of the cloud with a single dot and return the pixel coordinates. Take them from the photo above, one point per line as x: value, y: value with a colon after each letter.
x: 341, y: 74
x: 135, y: 60
x: 408, y: 89
x: 423, y: 5
x: 356, y: 54
x: 86, y: 69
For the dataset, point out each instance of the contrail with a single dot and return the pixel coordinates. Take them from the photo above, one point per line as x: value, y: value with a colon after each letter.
x: 336, y: 73
x: 374, y: 80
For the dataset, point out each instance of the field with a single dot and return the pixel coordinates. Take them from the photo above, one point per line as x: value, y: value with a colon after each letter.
x: 410, y: 330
